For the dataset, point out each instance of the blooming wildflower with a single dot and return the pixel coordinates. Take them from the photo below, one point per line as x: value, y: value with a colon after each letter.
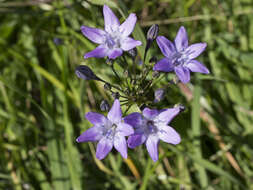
x: 152, y: 126
x: 113, y: 40
x: 108, y: 131
x: 180, y: 57
x: 159, y: 95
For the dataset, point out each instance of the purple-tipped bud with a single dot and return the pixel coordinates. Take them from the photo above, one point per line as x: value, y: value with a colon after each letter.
x: 104, y: 106
x: 133, y: 52
x: 115, y: 95
x: 58, y: 41
x: 155, y: 74
x: 153, y: 59
x: 85, y: 73
x: 159, y: 95
x: 107, y: 86
x: 153, y: 32
x: 181, y: 107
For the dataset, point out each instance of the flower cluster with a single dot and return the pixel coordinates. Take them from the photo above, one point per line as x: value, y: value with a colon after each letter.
x: 135, y: 87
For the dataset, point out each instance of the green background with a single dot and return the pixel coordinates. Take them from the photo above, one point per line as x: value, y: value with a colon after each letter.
x: 42, y: 102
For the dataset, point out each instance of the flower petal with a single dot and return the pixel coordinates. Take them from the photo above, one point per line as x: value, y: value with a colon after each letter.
x: 151, y: 144
x: 169, y: 135
x: 115, y: 113
x: 181, y: 40
x: 182, y: 73
x: 92, y: 134
x: 136, y: 140
x: 104, y: 146
x: 115, y: 53
x: 195, y: 50
x: 94, y: 34
x: 111, y: 21
x: 164, y: 65
x: 129, y: 43
x: 98, y: 52
x: 124, y: 129
x: 120, y: 145
x: 127, y: 27
x: 166, y: 46
x: 134, y: 119
x: 196, y: 66
x: 150, y: 113
x: 95, y: 118
x: 166, y: 116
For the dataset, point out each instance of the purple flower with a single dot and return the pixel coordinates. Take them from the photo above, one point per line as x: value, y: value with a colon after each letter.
x: 152, y: 126
x: 114, y: 39
x: 159, y: 95
x: 180, y: 57
x: 108, y: 131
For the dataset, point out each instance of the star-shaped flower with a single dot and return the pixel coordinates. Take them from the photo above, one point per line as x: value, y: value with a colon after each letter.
x: 108, y: 131
x: 152, y: 126
x: 180, y: 57
x: 114, y: 39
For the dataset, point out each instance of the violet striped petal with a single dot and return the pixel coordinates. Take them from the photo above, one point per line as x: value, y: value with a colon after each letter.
x: 182, y: 73
x: 166, y: 116
x: 111, y: 21
x: 150, y: 113
x: 98, y: 52
x: 169, y: 135
x: 136, y: 140
x: 196, y: 66
x: 195, y: 50
x: 115, y: 53
x: 104, y: 146
x: 181, y: 40
x: 124, y: 129
x: 166, y: 46
x: 134, y: 119
x: 127, y: 27
x: 94, y: 34
x: 129, y: 43
x: 164, y: 65
x: 96, y: 118
x: 120, y: 145
x: 115, y: 113
x: 92, y: 134
x: 151, y: 144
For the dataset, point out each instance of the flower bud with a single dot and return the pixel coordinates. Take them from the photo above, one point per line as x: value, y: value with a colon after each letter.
x: 126, y: 74
x: 151, y: 36
x: 115, y: 95
x: 104, y: 106
x: 155, y: 74
x: 107, y: 86
x: 142, y: 107
x: 181, y: 107
x: 85, y: 73
x: 133, y: 52
x: 58, y: 41
x: 153, y: 32
x: 159, y: 95
x: 153, y: 59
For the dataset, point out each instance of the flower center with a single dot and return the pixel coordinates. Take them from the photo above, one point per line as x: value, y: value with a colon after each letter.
x: 112, y: 40
x: 150, y: 127
x: 180, y: 58
x: 110, y: 132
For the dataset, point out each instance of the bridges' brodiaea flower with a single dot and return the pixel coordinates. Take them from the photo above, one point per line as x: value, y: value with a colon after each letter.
x: 113, y: 40
x: 108, y: 131
x: 180, y: 57
x: 152, y: 126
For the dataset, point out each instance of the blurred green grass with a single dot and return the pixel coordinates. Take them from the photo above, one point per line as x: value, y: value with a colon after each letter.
x: 42, y: 103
